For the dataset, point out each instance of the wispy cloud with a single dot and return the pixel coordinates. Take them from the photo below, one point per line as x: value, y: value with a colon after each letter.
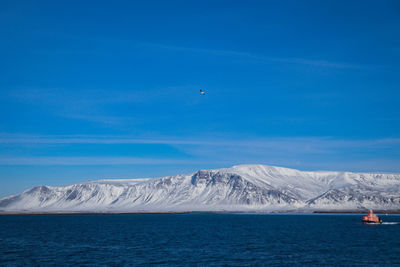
x: 128, y: 44
x: 301, y: 152
x: 299, y: 61
x: 86, y: 104
x: 76, y: 161
x: 322, y: 63
x: 203, y: 50
x: 101, y: 106
x: 264, y: 142
x: 53, y: 96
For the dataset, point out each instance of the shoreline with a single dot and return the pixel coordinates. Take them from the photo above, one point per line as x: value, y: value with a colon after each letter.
x: 199, y: 212
x: 359, y: 211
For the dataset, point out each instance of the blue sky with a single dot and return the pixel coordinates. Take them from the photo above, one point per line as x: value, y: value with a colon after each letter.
x: 96, y: 89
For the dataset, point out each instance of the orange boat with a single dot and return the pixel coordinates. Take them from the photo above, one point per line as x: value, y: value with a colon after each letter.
x: 371, y: 218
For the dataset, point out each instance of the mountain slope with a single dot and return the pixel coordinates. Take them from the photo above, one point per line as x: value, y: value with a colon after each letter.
x: 240, y: 188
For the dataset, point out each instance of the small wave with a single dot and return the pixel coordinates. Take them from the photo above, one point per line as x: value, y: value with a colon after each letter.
x: 391, y: 223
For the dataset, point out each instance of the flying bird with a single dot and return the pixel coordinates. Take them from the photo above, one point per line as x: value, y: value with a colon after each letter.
x: 202, y: 92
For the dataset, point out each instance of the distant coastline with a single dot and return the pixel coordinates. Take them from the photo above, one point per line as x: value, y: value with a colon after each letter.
x: 202, y: 212
x: 358, y: 211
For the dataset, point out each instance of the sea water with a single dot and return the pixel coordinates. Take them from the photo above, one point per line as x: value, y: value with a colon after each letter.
x: 198, y: 239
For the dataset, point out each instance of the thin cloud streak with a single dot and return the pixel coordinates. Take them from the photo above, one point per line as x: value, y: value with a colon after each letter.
x: 91, y: 105
x: 99, y: 139
x: 306, y: 153
x: 76, y: 161
x: 322, y: 63
x: 235, y: 150
x: 374, y: 165
x: 221, y: 52
x: 301, y: 61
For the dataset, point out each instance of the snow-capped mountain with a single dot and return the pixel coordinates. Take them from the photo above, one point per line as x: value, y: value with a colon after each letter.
x: 254, y: 188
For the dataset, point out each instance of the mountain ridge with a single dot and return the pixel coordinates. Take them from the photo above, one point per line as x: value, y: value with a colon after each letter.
x: 249, y: 188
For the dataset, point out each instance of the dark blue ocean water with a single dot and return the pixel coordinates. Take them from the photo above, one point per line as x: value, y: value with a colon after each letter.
x: 197, y: 239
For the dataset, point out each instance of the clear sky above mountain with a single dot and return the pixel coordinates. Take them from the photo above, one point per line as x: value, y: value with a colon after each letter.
x: 96, y: 89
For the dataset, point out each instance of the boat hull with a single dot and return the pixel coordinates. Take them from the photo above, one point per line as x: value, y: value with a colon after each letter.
x: 372, y: 222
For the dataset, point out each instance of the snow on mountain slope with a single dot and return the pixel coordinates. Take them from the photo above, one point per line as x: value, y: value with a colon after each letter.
x: 240, y: 188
